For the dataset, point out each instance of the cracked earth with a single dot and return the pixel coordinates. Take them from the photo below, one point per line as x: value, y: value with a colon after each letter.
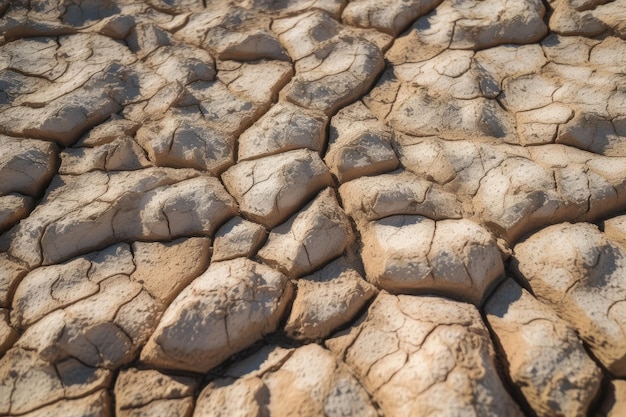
x: 313, y: 208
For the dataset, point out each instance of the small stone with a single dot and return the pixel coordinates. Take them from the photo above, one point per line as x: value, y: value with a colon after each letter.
x: 182, y: 63
x: 164, y: 269
x: 226, y: 309
x: 238, y: 238
x: 108, y: 131
x: 318, y: 233
x: 116, y: 27
x: 359, y: 144
x: 145, y: 38
x: 414, y: 254
x: 271, y: 189
x: 283, y: 128
x: 334, y: 75
x: 185, y: 142
x: 388, y: 16
x: 26, y: 165
x: 373, y: 198
x: 326, y: 300
x: 122, y: 154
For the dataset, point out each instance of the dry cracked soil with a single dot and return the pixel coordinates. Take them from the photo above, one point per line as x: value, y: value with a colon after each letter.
x: 313, y: 208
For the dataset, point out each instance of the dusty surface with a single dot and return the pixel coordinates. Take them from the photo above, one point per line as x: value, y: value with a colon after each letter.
x: 313, y: 208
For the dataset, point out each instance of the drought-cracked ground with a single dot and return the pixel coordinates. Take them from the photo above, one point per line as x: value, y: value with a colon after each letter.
x: 313, y: 208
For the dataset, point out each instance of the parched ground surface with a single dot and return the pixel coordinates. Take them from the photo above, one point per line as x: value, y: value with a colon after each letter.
x: 313, y: 208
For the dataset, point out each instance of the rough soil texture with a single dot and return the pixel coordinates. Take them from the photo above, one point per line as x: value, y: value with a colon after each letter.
x: 313, y: 208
